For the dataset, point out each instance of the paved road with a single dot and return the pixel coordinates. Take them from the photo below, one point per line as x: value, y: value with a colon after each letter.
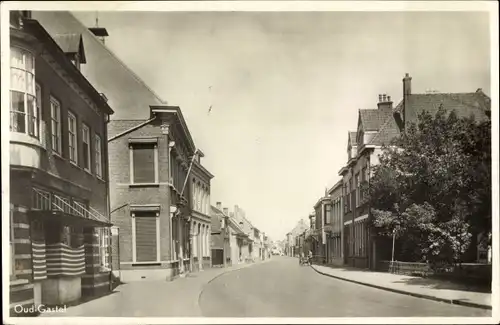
x: 282, y: 288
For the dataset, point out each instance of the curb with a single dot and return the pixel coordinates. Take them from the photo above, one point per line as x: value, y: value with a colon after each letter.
x: 418, y: 295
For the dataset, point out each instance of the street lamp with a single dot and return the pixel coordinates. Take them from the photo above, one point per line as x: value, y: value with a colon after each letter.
x: 394, y: 230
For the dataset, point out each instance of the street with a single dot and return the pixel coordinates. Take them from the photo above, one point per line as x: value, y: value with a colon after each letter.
x: 282, y: 288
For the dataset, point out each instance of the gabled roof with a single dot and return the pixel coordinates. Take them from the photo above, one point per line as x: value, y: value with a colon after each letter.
x: 217, y: 222
x: 127, y: 93
x: 372, y: 119
x: 71, y: 44
x: 216, y: 219
x: 464, y: 104
x: 37, y: 30
x: 388, y: 131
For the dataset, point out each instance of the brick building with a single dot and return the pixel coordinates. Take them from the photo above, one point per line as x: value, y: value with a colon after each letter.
x: 151, y: 153
x: 334, y: 226
x: 200, y: 202
x: 376, y: 128
x: 59, y: 201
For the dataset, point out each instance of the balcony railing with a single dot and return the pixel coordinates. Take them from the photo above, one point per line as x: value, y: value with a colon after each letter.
x: 45, y: 201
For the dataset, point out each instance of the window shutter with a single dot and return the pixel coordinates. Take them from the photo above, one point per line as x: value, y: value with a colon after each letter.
x: 144, y: 165
x: 145, y: 237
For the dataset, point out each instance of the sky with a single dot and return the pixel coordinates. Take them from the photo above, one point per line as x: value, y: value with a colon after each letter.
x: 285, y: 88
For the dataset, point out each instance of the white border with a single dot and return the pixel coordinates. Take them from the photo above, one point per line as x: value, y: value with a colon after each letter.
x: 489, y: 6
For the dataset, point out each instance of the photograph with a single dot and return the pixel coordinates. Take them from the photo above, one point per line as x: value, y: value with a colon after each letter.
x: 250, y: 161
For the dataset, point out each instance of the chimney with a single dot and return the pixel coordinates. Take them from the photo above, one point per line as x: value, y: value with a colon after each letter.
x: 384, y: 102
x: 226, y: 211
x: 406, y: 85
x: 218, y: 205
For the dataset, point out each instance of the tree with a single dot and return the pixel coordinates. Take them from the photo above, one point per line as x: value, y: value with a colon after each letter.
x: 434, y: 181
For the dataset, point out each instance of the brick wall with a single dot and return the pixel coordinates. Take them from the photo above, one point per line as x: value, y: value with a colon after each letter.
x: 121, y: 195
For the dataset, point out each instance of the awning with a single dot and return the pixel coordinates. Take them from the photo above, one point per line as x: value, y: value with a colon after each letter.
x: 68, y: 218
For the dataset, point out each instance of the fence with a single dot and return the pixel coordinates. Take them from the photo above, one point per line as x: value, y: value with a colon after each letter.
x: 473, y: 273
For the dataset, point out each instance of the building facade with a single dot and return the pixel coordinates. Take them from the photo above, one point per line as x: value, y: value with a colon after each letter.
x: 200, y: 202
x: 334, y: 227
x: 376, y: 128
x: 152, y: 153
x: 219, y: 236
x: 59, y: 199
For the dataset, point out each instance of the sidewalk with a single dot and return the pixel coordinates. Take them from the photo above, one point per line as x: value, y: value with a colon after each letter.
x: 433, y: 289
x: 178, y: 298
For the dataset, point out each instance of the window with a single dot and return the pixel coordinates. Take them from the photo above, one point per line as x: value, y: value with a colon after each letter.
x: 328, y: 214
x: 357, y: 184
x: 55, y: 115
x: 145, y: 237
x: 104, y: 235
x: 23, y: 110
x: 72, y: 146
x: 144, y: 163
x: 86, y: 147
x: 98, y: 156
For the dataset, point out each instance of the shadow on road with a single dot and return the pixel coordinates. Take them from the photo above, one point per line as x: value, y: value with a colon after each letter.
x: 444, y: 285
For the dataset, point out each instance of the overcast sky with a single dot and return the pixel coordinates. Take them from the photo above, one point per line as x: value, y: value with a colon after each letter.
x: 286, y: 88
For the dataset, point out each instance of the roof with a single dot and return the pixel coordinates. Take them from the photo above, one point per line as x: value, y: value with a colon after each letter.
x: 71, y: 44
x: 216, y: 219
x: 372, y: 119
x: 50, y: 44
x: 127, y: 93
x: 464, y: 104
x: 388, y: 131
x: 334, y: 187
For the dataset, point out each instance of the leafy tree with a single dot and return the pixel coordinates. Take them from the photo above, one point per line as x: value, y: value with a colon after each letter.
x: 433, y: 185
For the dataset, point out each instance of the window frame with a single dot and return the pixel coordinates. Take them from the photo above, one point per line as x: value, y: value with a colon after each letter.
x: 357, y: 189
x: 135, y: 214
x: 72, y: 119
x: 136, y: 142
x: 98, y: 156
x: 87, y: 141
x: 104, y: 237
x: 29, y: 75
x: 55, y: 119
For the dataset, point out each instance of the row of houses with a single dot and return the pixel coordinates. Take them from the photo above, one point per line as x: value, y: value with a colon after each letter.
x: 234, y: 239
x: 106, y: 183
x: 340, y: 231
